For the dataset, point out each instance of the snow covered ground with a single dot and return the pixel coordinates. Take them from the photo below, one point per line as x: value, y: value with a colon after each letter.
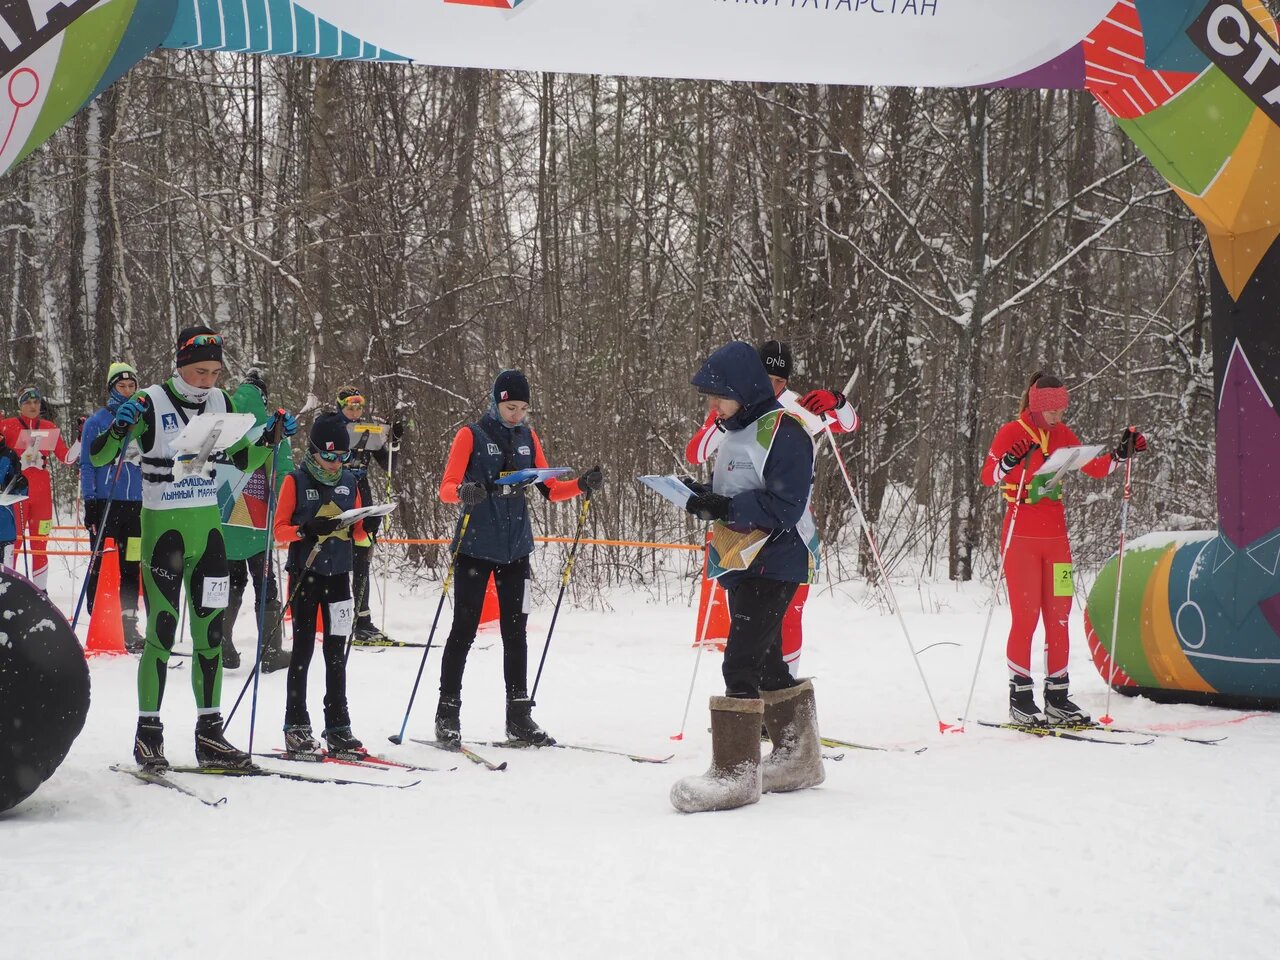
x: 990, y: 844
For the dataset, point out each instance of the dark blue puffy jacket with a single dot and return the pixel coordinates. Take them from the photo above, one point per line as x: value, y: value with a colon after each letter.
x: 735, y: 371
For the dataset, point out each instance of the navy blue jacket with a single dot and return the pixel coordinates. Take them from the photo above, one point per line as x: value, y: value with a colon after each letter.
x: 335, y: 555
x: 499, y: 529
x: 735, y: 371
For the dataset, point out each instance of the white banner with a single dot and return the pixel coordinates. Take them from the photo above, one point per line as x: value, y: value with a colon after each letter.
x: 868, y: 42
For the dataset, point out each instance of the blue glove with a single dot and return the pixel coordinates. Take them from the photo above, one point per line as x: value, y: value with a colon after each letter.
x: 288, y: 427
x: 127, y: 415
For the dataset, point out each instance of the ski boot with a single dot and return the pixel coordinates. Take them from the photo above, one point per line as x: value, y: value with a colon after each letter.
x: 1058, y: 708
x: 342, y: 740
x: 521, y: 726
x: 448, y: 722
x: 366, y: 633
x: 298, y: 738
x: 1022, y: 703
x: 134, y: 639
x: 230, y: 655
x: 212, y: 748
x: 148, y: 744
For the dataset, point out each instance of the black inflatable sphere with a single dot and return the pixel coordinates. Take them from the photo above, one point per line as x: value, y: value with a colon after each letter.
x: 44, y: 688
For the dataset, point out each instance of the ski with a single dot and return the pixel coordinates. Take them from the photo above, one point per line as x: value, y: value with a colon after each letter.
x: 465, y: 751
x: 385, y: 642
x: 256, y: 771
x: 522, y: 745
x: 851, y: 745
x: 352, y: 758
x: 1103, y: 728
x: 1062, y: 733
x: 160, y: 780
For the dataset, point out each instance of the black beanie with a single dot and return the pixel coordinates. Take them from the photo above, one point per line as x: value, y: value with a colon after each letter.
x: 510, y: 385
x: 188, y: 352
x: 776, y: 357
x: 254, y: 378
x: 329, y: 434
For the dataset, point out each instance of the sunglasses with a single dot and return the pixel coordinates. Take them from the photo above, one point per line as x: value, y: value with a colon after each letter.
x: 333, y: 456
x: 204, y: 340
x: 355, y: 401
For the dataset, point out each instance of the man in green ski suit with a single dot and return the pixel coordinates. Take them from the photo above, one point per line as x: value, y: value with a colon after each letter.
x: 247, y: 546
x: 182, y: 543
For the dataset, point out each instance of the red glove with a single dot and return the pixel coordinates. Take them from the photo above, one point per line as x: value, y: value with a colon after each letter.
x: 822, y: 402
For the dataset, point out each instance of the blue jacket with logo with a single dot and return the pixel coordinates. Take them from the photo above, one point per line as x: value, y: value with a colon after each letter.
x: 95, y: 482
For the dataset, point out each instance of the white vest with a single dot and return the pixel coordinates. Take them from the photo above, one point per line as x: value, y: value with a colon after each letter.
x: 740, y: 465
x: 159, y: 489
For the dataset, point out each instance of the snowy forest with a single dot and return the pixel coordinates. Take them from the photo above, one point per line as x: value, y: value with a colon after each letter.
x: 415, y: 230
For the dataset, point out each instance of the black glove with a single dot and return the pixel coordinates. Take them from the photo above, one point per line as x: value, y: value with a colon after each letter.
x: 591, y: 481
x: 471, y: 493
x: 397, y: 430
x: 93, y: 513
x: 709, y: 506
x: 693, y: 484
x: 1015, y: 454
x: 1131, y: 442
x: 318, y: 527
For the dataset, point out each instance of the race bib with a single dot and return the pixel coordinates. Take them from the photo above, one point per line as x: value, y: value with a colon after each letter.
x: 216, y: 592
x: 341, y: 618
x: 1063, y: 584
x: 44, y: 528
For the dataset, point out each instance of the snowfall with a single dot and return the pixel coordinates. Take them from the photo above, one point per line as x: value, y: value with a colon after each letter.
x: 985, y: 844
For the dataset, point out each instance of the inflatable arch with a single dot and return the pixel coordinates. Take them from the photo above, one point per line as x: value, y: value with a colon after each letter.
x: 1195, y: 84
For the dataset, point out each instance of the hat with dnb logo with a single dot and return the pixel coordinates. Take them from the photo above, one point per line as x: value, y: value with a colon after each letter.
x: 776, y: 357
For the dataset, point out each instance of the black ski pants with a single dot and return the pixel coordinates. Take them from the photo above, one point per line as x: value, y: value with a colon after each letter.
x: 753, y: 654
x: 314, y: 590
x: 124, y: 525
x: 470, y: 581
x: 242, y: 571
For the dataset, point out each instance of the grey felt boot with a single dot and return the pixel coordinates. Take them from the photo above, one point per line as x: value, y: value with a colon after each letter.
x: 733, y: 779
x: 791, y: 717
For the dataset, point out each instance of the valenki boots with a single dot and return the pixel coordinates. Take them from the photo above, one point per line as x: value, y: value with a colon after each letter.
x: 791, y: 717
x: 733, y: 779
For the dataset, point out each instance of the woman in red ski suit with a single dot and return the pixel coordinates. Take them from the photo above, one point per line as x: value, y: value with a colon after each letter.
x: 1037, y: 561
x: 34, y: 515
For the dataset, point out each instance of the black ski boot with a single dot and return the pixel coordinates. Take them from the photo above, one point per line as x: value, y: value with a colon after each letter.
x: 274, y: 657
x: 366, y: 633
x: 342, y: 740
x: 1058, y: 708
x: 212, y: 748
x: 448, y: 721
x: 298, y: 738
x: 1022, y: 703
x: 134, y: 639
x: 521, y: 726
x: 148, y: 744
x: 230, y: 655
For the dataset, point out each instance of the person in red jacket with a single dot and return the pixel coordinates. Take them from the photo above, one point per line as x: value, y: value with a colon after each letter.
x: 818, y: 410
x: 26, y: 434
x: 1037, y: 561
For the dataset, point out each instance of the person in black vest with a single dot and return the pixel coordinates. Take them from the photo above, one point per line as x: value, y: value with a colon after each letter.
x: 319, y: 567
x: 497, y: 542
x: 353, y: 406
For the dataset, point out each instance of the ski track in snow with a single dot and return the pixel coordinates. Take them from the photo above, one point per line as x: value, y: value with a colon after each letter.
x: 990, y: 845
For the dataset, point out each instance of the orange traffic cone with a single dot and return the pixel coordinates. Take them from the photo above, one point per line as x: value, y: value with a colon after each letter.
x: 490, y: 612
x: 106, y: 628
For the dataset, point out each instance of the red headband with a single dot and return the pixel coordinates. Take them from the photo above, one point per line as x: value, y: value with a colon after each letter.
x: 1040, y: 399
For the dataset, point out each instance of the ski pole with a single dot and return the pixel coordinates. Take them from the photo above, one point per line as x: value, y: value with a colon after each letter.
x: 995, y: 593
x: 702, y: 642
x: 564, y: 582
x: 398, y: 738
x: 884, y: 574
x: 261, y: 596
x: 391, y: 456
x: 96, y: 553
x: 1106, y: 717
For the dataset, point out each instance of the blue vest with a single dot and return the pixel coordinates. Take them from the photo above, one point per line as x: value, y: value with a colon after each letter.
x: 499, y: 529
x: 335, y: 555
